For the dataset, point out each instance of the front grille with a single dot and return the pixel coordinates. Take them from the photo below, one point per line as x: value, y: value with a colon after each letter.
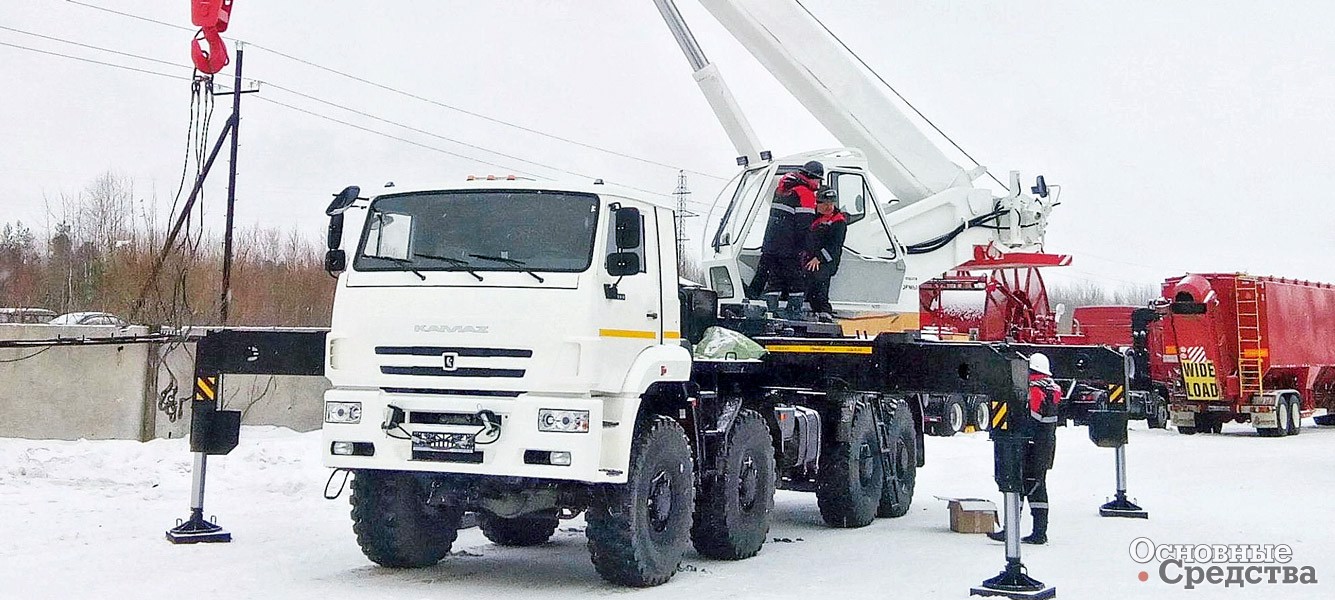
x: 474, y: 458
x: 435, y: 418
x: 476, y: 359
x: 488, y: 393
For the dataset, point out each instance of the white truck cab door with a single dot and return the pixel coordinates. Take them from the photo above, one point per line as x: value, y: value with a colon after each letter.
x: 632, y: 319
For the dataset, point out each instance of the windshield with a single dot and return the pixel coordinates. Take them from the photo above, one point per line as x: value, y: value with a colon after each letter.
x: 730, y: 224
x: 488, y: 230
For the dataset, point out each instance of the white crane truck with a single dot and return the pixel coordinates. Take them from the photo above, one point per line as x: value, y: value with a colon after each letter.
x: 521, y: 349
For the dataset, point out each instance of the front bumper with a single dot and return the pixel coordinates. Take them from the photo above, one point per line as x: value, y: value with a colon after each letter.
x: 513, y: 454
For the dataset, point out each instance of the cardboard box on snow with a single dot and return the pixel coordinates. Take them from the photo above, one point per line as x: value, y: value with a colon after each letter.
x: 971, y: 515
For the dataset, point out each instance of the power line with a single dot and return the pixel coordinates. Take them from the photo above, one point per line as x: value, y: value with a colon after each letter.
x: 418, y: 130
x: 98, y: 62
x: 416, y: 96
x: 316, y: 99
x: 392, y: 136
x: 92, y: 47
x: 896, y: 92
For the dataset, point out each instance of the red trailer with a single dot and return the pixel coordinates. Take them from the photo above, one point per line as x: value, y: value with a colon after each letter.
x: 1249, y: 348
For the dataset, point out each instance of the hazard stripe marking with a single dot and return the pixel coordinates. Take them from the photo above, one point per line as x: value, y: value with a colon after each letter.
x: 798, y: 348
x: 999, y: 418
x: 205, y: 386
x: 1117, y: 393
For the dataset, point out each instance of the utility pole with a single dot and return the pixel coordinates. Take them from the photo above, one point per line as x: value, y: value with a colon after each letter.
x: 225, y: 301
x: 681, y: 193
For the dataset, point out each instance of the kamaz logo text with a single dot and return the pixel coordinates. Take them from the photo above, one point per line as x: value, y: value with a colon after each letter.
x: 451, y: 328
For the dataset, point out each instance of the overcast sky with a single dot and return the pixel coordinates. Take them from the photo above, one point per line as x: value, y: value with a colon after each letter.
x: 1187, y: 135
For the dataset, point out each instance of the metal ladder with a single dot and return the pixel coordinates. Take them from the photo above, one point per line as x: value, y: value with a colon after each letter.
x: 1251, y: 357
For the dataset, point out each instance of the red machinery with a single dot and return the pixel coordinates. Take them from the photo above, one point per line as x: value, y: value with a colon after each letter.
x: 1248, y: 348
x: 1015, y: 299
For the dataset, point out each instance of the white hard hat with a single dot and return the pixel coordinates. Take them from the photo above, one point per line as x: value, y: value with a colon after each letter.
x: 1039, y: 362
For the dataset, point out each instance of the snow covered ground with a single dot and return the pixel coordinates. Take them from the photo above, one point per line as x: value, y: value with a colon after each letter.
x: 86, y: 520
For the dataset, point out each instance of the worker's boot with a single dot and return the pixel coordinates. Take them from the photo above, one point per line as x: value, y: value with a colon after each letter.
x: 997, y: 536
x: 772, y: 302
x: 1040, y: 534
x: 794, y: 310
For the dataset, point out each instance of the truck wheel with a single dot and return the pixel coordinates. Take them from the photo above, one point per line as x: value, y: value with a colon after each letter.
x: 1282, y: 424
x: 1295, y: 415
x: 901, y: 465
x: 528, y: 530
x: 851, y: 475
x: 1186, y: 430
x: 732, y: 511
x: 395, y: 526
x: 1157, y: 416
x: 982, y: 415
x: 638, y: 531
x: 953, y: 419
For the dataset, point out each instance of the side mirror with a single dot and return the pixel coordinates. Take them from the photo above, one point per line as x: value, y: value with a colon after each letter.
x: 335, y: 261
x: 343, y: 200
x: 335, y: 235
x: 1040, y: 188
x: 620, y: 264
x: 628, y: 228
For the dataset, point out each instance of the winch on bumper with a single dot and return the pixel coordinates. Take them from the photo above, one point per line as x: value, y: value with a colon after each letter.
x: 527, y: 435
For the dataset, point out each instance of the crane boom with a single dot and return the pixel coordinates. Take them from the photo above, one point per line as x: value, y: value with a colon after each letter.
x: 711, y: 82
x: 816, y: 69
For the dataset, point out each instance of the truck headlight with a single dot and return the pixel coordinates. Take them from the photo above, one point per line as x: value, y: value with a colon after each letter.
x: 563, y: 421
x: 342, y: 412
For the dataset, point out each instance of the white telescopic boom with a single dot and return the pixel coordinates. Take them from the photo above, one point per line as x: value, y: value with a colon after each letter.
x: 711, y: 83
x: 817, y: 70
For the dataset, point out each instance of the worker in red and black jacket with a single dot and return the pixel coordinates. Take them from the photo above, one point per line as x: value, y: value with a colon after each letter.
x: 1041, y: 426
x: 825, y: 245
x: 790, y: 217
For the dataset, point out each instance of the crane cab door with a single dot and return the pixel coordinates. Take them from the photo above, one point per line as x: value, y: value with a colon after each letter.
x: 872, y: 268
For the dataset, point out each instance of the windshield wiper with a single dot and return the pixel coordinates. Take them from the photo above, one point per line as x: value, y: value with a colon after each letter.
x: 405, y: 262
x: 454, y: 261
x: 517, y: 263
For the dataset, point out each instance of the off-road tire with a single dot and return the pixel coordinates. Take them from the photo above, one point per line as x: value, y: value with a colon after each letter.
x: 528, y: 530
x: 634, y: 539
x: 394, y: 525
x: 732, y: 511
x: 851, y: 475
x: 901, y: 465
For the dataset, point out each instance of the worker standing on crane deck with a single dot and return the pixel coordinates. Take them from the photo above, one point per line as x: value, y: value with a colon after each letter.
x: 790, y: 217
x: 1041, y: 427
x: 825, y: 245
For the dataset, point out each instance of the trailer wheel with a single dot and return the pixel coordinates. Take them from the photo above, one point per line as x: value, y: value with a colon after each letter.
x: 1295, y: 415
x: 1282, y: 424
x: 953, y: 419
x: 901, y: 465
x: 1157, y: 415
x: 732, y: 511
x: 982, y: 415
x: 528, y: 530
x: 395, y: 526
x: 638, y: 531
x: 851, y: 475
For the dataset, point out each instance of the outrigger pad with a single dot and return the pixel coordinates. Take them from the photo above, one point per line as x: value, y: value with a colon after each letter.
x: 987, y: 591
x: 1123, y: 508
x: 197, y: 531
x: 1014, y: 582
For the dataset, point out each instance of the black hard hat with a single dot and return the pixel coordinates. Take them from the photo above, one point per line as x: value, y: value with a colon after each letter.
x: 826, y: 194
x: 814, y: 169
